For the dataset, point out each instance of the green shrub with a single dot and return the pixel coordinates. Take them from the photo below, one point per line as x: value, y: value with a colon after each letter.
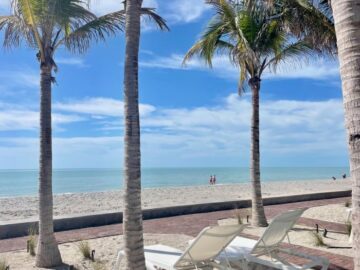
x: 347, y: 204
x: 238, y: 216
x: 3, y: 264
x: 85, y: 249
x: 348, y: 227
x: 31, y: 242
x: 318, y: 239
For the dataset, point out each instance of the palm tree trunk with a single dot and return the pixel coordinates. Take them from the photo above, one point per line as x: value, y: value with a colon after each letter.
x: 258, y: 213
x: 347, y: 22
x: 132, y: 218
x: 48, y: 254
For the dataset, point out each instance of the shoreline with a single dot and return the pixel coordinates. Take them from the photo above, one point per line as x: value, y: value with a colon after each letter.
x: 23, y: 207
x: 246, y: 182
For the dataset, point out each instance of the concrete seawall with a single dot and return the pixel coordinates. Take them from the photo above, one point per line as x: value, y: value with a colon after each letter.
x: 19, y: 228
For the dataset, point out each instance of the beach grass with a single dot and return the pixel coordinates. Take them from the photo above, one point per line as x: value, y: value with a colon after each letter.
x: 3, y: 264
x: 348, y: 225
x: 31, y: 242
x: 318, y: 240
x: 85, y: 249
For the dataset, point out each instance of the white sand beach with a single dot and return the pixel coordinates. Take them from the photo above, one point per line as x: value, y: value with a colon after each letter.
x: 85, y: 203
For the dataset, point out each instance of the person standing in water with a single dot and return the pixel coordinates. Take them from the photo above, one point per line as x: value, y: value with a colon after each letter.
x: 211, y: 180
x: 214, y: 179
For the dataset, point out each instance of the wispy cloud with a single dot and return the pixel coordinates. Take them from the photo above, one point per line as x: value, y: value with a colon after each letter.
x: 222, y: 67
x: 72, y: 61
x: 291, y: 132
x: 174, y: 12
x: 99, y: 107
x: 20, y: 77
x: 15, y: 117
x: 184, y: 11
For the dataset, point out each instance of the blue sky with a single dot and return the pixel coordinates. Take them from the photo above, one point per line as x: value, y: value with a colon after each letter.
x: 190, y: 116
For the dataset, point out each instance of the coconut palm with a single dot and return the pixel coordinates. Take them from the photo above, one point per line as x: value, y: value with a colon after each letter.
x: 45, y: 26
x: 132, y: 214
x: 346, y: 15
x: 305, y: 19
x: 255, y: 41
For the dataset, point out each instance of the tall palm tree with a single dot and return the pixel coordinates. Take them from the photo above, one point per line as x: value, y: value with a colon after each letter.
x: 45, y: 26
x: 346, y: 15
x: 255, y: 41
x: 132, y: 214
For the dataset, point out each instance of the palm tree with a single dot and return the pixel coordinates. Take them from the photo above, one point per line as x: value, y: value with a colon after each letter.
x: 255, y: 41
x: 346, y: 15
x: 132, y: 214
x: 45, y: 26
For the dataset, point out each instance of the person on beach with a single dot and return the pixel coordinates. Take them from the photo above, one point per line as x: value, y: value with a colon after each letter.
x: 344, y: 176
x: 214, y: 179
x: 333, y: 178
x: 211, y: 180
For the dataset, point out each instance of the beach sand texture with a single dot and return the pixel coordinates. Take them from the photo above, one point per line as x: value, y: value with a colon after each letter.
x: 86, y: 203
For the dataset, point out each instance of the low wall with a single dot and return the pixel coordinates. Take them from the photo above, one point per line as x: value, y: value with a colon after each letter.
x: 21, y: 228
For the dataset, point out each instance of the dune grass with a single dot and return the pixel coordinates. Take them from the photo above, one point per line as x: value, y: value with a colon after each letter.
x: 318, y: 240
x: 348, y: 227
x: 3, y: 264
x: 85, y: 249
x: 31, y: 242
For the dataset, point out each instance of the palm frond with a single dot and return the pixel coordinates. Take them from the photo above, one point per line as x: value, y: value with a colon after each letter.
x: 296, y: 53
x: 210, y: 42
x: 96, y: 30
x: 16, y: 31
x: 152, y: 16
x: 30, y: 11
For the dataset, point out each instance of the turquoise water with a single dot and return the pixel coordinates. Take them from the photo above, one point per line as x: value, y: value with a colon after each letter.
x: 24, y: 182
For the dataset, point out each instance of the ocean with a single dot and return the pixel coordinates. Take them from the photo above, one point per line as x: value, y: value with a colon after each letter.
x: 24, y: 182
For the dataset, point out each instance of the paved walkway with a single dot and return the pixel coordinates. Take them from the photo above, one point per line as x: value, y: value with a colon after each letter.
x: 185, y: 225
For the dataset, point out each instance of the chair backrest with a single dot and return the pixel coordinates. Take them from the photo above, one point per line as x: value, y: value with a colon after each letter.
x: 277, y: 231
x: 210, y: 242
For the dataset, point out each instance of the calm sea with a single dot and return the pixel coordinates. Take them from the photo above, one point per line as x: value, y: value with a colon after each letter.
x: 24, y: 182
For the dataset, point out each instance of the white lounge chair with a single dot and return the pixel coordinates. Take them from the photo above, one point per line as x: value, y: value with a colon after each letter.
x: 201, y: 253
x: 242, y: 251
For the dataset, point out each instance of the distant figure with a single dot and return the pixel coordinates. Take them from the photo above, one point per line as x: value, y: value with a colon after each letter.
x: 214, y: 179
x: 211, y: 180
x: 344, y: 176
x: 333, y: 178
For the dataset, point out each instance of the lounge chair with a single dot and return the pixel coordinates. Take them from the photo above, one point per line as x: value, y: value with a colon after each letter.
x: 242, y: 251
x: 200, y: 254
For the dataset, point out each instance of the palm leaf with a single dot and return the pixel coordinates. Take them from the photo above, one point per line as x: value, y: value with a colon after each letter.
x: 81, y: 37
x: 27, y: 10
x: 15, y: 31
x: 152, y: 16
x: 294, y: 52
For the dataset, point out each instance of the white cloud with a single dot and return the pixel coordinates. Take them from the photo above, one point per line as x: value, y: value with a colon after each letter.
x: 222, y: 67
x: 20, y: 77
x: 101, y: 7
x: 73, y: 61
x: 174, y: 12
x: 16, y: 118
x: 292, y: 133
x: 100, y: 107
x: 184, y: 11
